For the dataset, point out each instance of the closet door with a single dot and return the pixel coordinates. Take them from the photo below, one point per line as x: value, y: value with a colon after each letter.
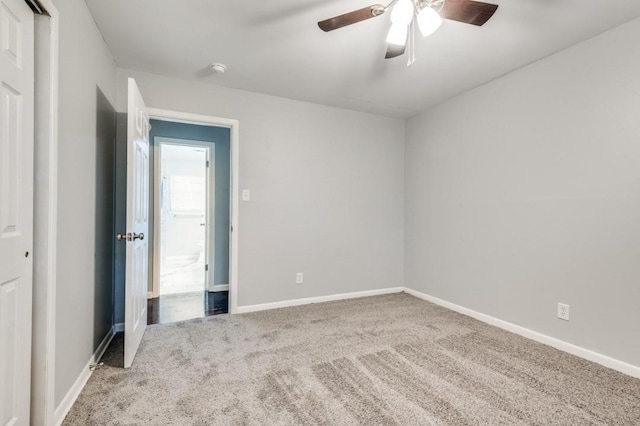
x: 16, y: 209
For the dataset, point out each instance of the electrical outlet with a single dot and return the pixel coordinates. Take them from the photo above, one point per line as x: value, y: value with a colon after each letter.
x: 563, y: 311
x: 299, y: 278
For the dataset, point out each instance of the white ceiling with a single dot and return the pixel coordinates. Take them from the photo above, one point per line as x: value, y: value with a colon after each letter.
x: 275, y: 47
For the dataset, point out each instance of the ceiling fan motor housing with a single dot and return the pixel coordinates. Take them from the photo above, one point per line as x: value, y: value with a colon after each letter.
x: 434, y: 4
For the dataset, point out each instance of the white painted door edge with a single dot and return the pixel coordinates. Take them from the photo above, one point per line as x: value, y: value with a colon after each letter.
x: 137, y: 222
x: 45, y: 221
x: 155, y: 273
x: 210, y: 232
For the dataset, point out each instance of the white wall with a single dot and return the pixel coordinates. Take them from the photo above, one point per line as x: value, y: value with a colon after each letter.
x: 326, y: 187
x: 525, y: 192
x: 86, y: 65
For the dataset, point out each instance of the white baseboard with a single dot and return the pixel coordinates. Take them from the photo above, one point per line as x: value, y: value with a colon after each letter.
x: 149, y: 295
x: 70, y: 398
x: 220, y: 287
x: 320, y: 299
x: 581, y: 352
x: 63, y: 409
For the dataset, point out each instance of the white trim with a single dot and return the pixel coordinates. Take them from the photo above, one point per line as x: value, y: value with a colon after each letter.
x: 319, y: 299
x: 220, y: 287
x: 235, y: 218
x: 581, y: 352
x: 43, y: 374
x: 631, y: 370
x: 155, y: 281
x: 234, y: 125
x: 188, y: 118
x: 210, y: 230
x: 570, y: 348
x: 150, y: 295
x: 70, y: 398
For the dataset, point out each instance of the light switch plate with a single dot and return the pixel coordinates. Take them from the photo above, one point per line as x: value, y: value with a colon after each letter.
x: 246, y: 195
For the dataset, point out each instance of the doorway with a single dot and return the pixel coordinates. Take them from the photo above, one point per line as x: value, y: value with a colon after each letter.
x: 191, y: 198
x: 185, y: 205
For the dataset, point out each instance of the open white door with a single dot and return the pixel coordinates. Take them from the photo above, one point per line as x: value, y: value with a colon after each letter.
x: 16, y: 209
x: 137, y: 223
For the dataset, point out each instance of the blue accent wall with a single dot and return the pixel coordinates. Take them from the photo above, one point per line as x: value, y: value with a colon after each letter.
x: 220, y: 137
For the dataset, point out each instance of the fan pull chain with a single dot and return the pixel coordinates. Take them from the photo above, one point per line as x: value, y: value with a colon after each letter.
x: 412, y: 44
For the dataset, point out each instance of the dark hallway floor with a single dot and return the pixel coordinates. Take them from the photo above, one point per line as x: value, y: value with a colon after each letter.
x: 184, y: 306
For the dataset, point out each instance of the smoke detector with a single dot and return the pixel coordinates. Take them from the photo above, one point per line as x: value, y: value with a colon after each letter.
x: 218, y: 68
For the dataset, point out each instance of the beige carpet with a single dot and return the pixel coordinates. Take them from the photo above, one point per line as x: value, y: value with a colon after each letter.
x: 385, y: 360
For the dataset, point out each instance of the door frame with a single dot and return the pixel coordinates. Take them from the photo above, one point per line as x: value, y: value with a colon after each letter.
x: 210, y: 209
x: 45, y: 219
x: 234, y: 126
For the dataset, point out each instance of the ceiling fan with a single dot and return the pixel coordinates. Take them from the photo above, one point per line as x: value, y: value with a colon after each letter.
x: 428, y: 14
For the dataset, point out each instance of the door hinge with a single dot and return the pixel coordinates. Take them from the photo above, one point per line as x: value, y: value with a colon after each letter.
x: 206, y: 267
x: 207, y: 163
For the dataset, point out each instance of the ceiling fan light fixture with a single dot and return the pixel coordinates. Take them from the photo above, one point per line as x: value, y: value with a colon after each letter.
x: 428, y: 21
x: 406, y: 14
x: 402, y: 12
x: 398, y: 34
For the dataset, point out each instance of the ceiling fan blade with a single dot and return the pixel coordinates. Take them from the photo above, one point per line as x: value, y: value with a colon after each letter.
x: 351, y: 17
x: 394, y: 50
x: 468, y: 11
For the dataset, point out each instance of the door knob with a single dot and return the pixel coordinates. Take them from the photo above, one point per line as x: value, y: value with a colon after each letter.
x: 130, y: 237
